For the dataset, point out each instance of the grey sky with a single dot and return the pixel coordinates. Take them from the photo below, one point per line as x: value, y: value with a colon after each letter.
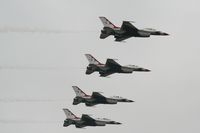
x: 43, y: 65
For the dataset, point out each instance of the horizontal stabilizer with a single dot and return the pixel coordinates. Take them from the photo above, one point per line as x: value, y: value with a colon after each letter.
x: 103, y: 36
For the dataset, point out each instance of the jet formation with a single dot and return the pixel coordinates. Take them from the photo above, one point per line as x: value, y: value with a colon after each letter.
x: 110, y: 67
x: 126, y: 31
x: 95, y: 98
x: 85, y: 120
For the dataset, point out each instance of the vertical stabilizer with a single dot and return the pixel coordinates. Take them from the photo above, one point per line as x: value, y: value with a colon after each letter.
x: 69, y: 114
x: 92, y: 60
x: 79, y: 92
x: 107, y: 23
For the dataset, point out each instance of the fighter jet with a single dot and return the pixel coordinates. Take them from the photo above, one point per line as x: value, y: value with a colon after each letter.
x: 85, y: 120
x: 95, y: 98
x: 126, y: 31
x: 110, y: 67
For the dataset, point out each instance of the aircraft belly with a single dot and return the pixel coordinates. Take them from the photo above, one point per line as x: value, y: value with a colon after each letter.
x: 100, y: 123
x: 90, y: 101
x: 111, y: 101
x: 144, y: 34
x: 103, y: 68
x: 126, y: 70
x: 119, y: 33
x: 80, y: 124
x: 95, y: 123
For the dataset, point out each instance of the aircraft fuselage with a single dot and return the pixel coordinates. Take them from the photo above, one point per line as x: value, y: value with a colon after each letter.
x: 93, y: 101
x: 105, y: 69
x: 100, y: 100
x: 118, y: 33
x: 90, y: 122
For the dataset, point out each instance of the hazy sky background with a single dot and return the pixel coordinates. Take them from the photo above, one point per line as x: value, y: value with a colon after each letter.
x: 42, y: 47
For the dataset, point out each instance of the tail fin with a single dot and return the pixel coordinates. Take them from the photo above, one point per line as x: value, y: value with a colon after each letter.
x: 107, y: 23
x: 92, y: 60
x: 79, y: 92
x: 69, y: 114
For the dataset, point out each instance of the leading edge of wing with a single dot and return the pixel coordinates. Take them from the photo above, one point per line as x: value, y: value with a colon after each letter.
x: 112, y: 63
x: 127, y: 26
x: 97, y: 95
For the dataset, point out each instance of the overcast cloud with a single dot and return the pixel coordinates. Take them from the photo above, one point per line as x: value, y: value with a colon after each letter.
x: 42, y: 47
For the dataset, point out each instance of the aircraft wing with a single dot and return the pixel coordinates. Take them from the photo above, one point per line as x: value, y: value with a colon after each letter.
x: 112, y: 64
x: 102, y: 36
x: 97, y: 95
x: 87, y: 118
x: 127, y: 26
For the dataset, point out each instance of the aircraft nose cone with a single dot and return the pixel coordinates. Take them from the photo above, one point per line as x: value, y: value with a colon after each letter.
x: 114, y: 122
x: 131, y: 101
x: 117, y: 123
x: 166, y: 34
x: 147, y: 70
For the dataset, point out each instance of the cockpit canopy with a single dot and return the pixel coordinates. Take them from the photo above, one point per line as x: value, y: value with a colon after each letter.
x: 103, y: 119
x: 117, y: 97
x: 149, y: 29
x: 132, y: 66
